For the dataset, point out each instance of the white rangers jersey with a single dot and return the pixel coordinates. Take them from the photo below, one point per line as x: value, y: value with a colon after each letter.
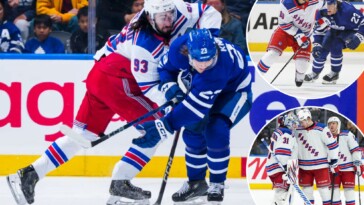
x: 295, y: 18
x: 349, y: 151
x: 316, y: 146
x: 144, y: 48
x: 284, y: 147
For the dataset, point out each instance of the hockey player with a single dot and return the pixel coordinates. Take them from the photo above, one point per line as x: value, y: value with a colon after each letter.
x: 316, y: 146
x: 349, y: 162
x: 284, y: 147
x: 296, y: 20
x: 346, y: 30
x: 219, y: 97
x: 130, y: 57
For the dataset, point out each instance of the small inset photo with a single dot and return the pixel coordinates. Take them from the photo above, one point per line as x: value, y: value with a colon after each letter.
x: 307, y: 155
x: 307, y: 48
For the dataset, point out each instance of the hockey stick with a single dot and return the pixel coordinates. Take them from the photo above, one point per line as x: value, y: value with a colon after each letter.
x: 291, y: 179
x: 332, y: 188
x: 291, y: 169
x: 168, y: 167
x: 359, y: 189
x: 88, y: 144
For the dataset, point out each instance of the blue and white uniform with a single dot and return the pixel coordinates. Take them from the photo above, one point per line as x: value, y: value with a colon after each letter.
x: 144, y: 49
x: 343, y: 25
x: 217, y: 99
x: 10, y: 39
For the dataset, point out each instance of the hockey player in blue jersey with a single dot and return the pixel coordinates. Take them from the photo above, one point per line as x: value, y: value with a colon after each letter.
x: 219, y: 97
x: 343, y: 28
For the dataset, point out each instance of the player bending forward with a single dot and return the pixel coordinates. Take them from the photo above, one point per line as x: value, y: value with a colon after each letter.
x: 284, y: 147
x: 219, y: 97
x: 349, y: 162
x: 123, y: 81
x: 342, y: 26
x: 315, y: 146
x: 296, y: 20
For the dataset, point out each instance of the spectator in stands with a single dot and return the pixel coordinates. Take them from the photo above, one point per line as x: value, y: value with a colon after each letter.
x: 42, y: 42
x: 79, y: 39
x: 137, y: 6
x: 10, y: 39
x: 62, y: 12
x: 113, y: 14
x: 231, y: 27
x: 21, y: 13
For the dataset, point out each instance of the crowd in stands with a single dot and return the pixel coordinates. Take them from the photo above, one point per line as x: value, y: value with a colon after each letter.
x: 61, y: 26
x: 318, y: 115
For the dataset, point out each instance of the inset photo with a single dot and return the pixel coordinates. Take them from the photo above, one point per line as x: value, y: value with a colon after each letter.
x: 301, y: 154
x: 307, y: 48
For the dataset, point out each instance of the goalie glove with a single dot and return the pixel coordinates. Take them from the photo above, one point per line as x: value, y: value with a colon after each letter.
x: 334, y: 168
x: 302, y: 40
x: 358, y: 167
x: 354, y: 41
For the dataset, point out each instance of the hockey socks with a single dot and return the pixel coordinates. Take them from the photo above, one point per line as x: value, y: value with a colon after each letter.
x: 267, y: 60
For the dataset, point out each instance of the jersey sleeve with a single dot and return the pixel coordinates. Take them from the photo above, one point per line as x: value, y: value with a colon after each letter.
x: 209, y: 19
x: 283, y: 146
x: 285, y: 21
x: 354, y: 147
x: 331, y: 143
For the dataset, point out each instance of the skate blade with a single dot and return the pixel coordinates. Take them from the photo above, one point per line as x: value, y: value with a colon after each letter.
x: 329, y: 82
x: 215, y: 202
x: 199, y: 200
x: 117, y: 200
x: 14, y: 185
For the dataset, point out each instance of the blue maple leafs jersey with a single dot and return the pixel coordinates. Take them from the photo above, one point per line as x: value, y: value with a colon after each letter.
x: 347, y: 18
x: 229, y: 74
x: 10, y: 39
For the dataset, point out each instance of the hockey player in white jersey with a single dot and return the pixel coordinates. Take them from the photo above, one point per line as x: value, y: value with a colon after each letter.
x: 349, y: 162
x: 284, y: 147
x: 124, y: 73
x: 317, y: 154
x: 343, y: 27
x: 296, y: 20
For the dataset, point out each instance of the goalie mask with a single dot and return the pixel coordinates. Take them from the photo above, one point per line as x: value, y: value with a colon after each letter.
x: 288, y: 120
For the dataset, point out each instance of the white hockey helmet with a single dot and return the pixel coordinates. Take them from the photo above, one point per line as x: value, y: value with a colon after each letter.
x: 335, y: 119
x: 152, y: 7
x: 304, y: 114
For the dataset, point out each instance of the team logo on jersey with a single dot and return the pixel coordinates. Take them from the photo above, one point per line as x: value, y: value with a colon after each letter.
x: 208, y: 95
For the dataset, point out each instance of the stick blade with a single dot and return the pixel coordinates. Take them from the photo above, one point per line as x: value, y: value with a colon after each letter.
x: 79, y: 139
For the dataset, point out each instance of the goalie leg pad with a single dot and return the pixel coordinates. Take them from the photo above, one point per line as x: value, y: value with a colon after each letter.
x: 280, y: 196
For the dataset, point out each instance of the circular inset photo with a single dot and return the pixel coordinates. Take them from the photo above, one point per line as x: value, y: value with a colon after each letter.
x: 301, y: 154
x: 307, y: 48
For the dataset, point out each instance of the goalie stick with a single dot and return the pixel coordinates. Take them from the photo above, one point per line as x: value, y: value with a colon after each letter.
x: 88, y: 144
x: 290, y: 178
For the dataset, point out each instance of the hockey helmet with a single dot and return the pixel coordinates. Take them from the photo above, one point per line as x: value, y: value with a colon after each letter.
x: 329, y: 2
x: 152, y: 7
x: 335, y: 119
x: 304, y: 114
x: 288, y: 120
x: 201, y: 45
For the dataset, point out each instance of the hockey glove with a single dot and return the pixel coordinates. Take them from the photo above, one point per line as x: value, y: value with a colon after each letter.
x: 358, y: 167
x: 302, y: 40
x: 171, y: 90
x: 334, y: 168
x: 322, y: 25
x: 354, y: 41
x: 153, y: 132
x: 316, y: 50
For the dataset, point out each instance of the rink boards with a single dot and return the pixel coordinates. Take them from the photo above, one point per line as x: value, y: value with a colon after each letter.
x: 39, y: 93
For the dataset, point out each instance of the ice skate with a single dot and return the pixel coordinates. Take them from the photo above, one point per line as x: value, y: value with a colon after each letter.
x: 299, y: 79
x: 22, y: 185
x: 215, y: 193
x: 311, y: 77
x: 123, y: 192
x: 191, y: 192
x: 330, y: 78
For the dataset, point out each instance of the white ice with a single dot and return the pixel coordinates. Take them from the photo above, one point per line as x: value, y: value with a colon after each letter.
x: 265, y: 197
x: 351, y: 70
x: 94, y: 190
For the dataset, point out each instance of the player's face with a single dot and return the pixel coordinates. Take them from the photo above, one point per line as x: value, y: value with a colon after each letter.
x: 331, y: 9
x: 333, y: 127
x: 164, y: 21
x: 302, y: 1
x: 201, y: 66
x: 306, y: 123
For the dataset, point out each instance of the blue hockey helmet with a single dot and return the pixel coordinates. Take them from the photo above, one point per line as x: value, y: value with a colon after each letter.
x: 331, y: 2
x: 201, y: 45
